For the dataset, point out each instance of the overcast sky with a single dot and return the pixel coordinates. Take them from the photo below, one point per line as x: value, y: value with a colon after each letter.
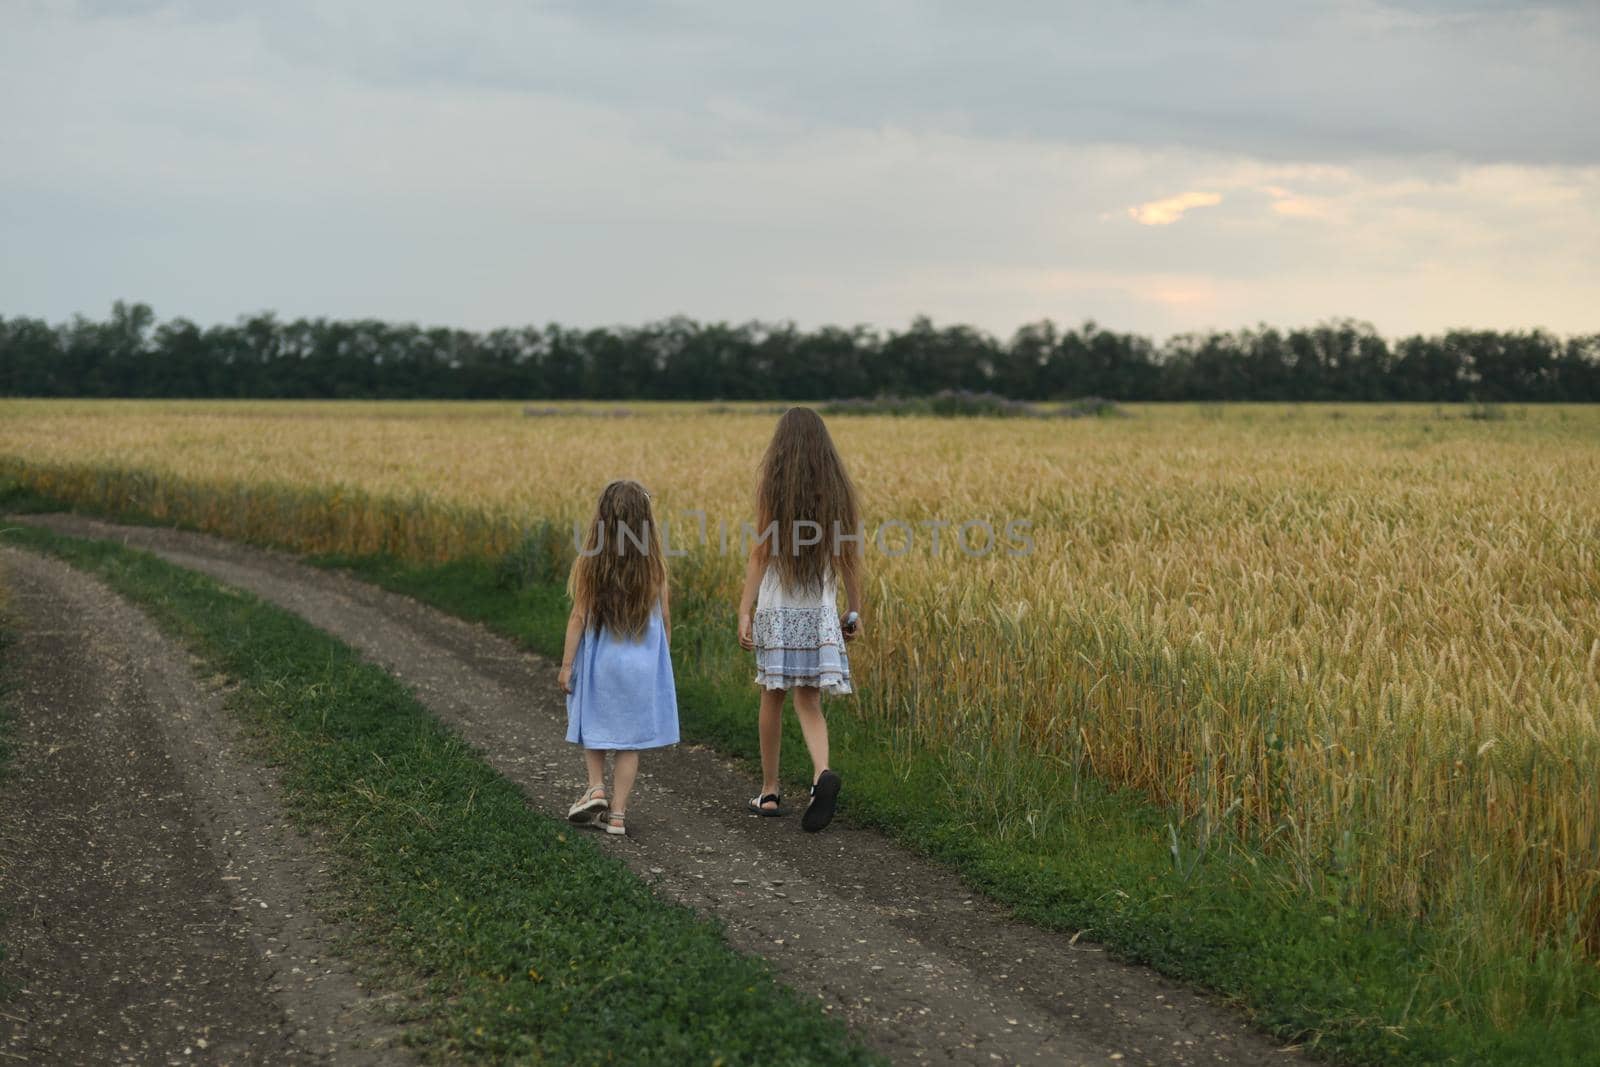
x: 1156, y: 165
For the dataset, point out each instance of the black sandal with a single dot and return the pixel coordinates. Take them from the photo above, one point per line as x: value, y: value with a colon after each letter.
x: 755, y: 805
x: 824, y: 798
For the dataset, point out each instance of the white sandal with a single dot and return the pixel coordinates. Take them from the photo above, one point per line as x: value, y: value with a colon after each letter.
x: 589, y: 806
x: 616, y: 822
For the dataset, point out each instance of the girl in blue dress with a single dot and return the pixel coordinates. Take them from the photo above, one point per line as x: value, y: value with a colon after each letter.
x: 616, y: 668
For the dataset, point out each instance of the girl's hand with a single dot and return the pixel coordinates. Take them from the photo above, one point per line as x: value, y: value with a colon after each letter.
x: 747, y: 635
x: 565, y: 678
x: 855, y: 631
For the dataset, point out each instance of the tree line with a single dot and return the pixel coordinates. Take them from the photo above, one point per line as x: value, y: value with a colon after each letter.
x: 131, y: 354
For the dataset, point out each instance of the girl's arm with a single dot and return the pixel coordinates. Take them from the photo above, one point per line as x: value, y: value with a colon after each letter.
x: 666, y: 611
x: 753, y: 569
x: 570, y: 650
x: 852, y: 598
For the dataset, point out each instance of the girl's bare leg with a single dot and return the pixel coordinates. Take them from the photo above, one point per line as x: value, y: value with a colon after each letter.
x: 624, y: 766
x: 808, y: 709
x: 771, y: 738
x: 594, y: 761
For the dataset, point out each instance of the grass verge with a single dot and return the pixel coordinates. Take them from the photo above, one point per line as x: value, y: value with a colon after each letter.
x: 531, y: 943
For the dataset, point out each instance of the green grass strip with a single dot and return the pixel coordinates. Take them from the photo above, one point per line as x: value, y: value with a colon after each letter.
x: 532, y: 944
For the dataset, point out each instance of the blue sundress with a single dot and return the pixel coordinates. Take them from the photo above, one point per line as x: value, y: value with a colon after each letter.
x: 623, y: 695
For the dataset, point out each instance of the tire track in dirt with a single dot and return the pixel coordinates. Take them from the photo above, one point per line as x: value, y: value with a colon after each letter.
x: 160, y: 908
x: 918, y: 964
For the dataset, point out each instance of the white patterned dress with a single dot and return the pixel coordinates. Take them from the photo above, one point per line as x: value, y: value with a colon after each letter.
x: 798, y: 639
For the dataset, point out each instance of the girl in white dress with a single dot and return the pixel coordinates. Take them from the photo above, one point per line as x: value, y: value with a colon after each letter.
x: 808, y: 543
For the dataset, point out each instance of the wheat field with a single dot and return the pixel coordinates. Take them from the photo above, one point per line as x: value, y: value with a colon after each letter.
x: 1367, y: 638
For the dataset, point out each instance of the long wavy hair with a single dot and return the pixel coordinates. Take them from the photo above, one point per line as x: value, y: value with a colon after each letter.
x: 620, y: 573
x: 803, y: 480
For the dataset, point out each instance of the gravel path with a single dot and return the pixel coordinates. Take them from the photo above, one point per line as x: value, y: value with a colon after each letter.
x: 925, y: 970
x: 160, y: 909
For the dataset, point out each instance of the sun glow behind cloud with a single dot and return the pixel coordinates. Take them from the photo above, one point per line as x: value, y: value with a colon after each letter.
x: 1166, y: 212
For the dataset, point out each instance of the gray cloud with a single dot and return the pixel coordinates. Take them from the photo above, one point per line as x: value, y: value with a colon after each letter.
x: 1477, y: 81
x: 1421, y: 165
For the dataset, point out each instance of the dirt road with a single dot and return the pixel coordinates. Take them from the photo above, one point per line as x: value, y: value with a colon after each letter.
x: 160, y: 908
x: 921, y: 967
